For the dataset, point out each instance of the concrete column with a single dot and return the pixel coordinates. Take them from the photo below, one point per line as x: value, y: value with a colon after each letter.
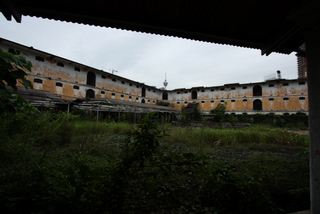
x: 313, y: 63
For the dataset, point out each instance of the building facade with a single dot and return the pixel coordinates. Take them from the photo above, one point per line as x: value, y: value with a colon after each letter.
x: 71, y: 80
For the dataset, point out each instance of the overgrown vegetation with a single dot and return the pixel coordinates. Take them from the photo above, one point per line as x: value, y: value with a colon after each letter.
x: 13, y: 68
x: 55, y: 163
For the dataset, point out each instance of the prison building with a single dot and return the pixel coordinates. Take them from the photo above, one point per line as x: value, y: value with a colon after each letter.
x: 69, y: 80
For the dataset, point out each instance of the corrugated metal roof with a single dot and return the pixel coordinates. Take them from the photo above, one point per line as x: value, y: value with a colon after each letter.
x: 267, y: 25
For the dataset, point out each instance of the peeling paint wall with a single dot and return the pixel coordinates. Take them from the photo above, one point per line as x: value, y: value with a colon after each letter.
x: 69, y: 80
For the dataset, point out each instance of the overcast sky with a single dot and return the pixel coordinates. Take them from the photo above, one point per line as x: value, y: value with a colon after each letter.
x: 145, y: 57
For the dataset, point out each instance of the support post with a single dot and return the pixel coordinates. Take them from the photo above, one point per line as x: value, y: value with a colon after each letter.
x: 313, y: 65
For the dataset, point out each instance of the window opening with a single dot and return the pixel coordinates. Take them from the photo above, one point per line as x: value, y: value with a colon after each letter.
x: 143, y: 92
x: 37, y: 81
x: 14, y: 51
x: 302, y: 98
x: 285, y: 84
x: 143, y: 101
x: 102, y: 92
x: 194, y: 95
x: 257, y: 90
x: 76, y: 87
x: 59, y: 84
x: 39, y: 58
x: 257, y: 104
x: 103, y: 77
x: 60, y: 64
x: 302, y: 83
x: 90, y: 93
x: 91, y: 78
x: 76, y: 69
x: 165, y: 95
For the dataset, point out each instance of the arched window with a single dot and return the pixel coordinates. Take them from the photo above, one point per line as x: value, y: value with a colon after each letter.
x: 257, y: 104
x: 165, y: 95
x: 257, y: 90
x: 143, y: 101
x: 194, y: 95
x: 90, y: 93
x: 91, y: 79
x: 143, y: 92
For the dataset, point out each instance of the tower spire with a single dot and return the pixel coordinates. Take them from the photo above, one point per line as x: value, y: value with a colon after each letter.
x: 165, y: 83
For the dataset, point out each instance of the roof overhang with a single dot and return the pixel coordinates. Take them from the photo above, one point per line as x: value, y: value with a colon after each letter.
x: 272, y: 26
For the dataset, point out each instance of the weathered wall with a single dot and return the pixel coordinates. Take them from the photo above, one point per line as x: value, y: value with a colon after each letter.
x: 70, y: 80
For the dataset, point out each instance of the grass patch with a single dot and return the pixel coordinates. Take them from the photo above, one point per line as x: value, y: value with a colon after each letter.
x: 54, y: 163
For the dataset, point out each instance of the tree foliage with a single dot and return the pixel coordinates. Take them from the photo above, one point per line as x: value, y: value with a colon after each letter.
x: 219, y: 111
x: 12, y: 69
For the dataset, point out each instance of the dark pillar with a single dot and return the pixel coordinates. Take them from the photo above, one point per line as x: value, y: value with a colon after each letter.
x: 313, y: 63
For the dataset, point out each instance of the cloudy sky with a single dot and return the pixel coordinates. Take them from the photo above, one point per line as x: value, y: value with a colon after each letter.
x: 145, y: 57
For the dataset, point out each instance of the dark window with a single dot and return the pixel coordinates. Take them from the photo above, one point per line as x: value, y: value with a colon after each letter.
x: 212, y: 90
x: 122, y: 95
x: 14, y: 51
x: 103, y: 77
x: 244, y: 100
x: 130, y: 97
x: 148, y: 101
x: 90, y: 93
x: 257, y: 90
x: 149, y: 89
x: 285, y: 98
x: 302, y: 83
x: 271, y: 99
x: 165, y: 95
x: 233, y: 101
x: 202, y: 101
x: 257, y: 105
x: 130, y: 84
x: 114, y: 80
x: 59, y: 84
x: 122, y: 82
x: 194, y: 95
x: 285, y: 84
x: 271, y: 85
x: 221, y: 101
x: 76, y: 69
x: 185, y: 102
x: 113, y: 94
x: 287, y: 114
x: 202, y: 90
x: 233, y: 88
x: 178, y: 102
x: 60, y: 64
x: 37, y: 81
x: 143, y: 101
x: 39, y: 58
x: 212, y: 101
x: 137, y: 98
x: 186, y: 92
x: 244, y: 87
x: 137, y: 86
x: 91, y: 78
x: 102, y: 92
x: 154, y: 101
x: 302, y: 98
x: 76, y: 87
x: 221, y: 89
x: 143, y: 92
x: 178, y: 92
